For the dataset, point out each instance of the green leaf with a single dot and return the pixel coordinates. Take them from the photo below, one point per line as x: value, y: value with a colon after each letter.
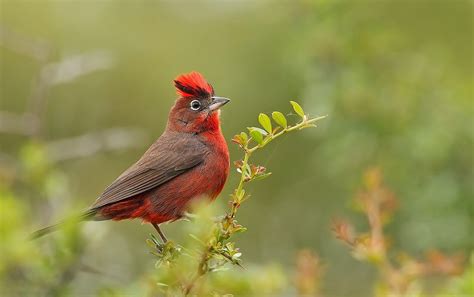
x: 264, y: 120
x: 280, y: 119
x: 244, y: 136
x: 297, y: 108
x: 256, y: 135
x: 150, y: 243
x: 263, y: 132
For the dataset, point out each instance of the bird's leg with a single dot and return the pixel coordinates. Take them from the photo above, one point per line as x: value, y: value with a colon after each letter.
x: 162, y: 235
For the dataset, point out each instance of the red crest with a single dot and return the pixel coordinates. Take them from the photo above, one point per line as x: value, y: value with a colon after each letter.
x: 193, y: 84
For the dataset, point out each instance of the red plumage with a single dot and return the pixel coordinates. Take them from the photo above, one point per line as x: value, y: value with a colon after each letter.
x: 189, y: 161
x: 168, y: 201
x: 193, y: 84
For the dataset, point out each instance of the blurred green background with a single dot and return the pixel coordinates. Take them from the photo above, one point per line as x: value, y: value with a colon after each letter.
x: 395, y: 78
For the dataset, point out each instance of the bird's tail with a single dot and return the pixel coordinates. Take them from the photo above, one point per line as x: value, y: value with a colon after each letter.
x: 86, y: 216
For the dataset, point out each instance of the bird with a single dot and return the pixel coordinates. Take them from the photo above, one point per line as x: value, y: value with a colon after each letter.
x: 187, y: 163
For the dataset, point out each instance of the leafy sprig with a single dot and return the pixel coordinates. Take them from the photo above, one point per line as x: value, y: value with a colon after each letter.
x: 218, y: 249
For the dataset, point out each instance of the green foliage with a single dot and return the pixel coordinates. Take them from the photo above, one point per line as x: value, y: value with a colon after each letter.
x: 257, y: 134
x: 217, y: 248
x: 264, y: 120
x: 297, y: 108
x: 46, y: 268
x: 280, y: 119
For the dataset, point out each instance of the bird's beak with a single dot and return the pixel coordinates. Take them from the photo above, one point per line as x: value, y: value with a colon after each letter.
x: 217, y: 102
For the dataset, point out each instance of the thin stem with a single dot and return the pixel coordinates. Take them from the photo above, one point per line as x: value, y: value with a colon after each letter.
x: 242, y: 176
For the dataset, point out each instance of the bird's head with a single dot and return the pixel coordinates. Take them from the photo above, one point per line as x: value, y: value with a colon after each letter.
x: 197, y: 109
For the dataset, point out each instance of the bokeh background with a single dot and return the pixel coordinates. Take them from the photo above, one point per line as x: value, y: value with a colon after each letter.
x: 86, y: 87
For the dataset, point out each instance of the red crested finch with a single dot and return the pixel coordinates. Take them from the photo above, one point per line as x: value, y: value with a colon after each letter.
x: 189, y: 161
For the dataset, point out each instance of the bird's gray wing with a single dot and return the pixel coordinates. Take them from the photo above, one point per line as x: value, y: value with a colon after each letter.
x: 167, y: 158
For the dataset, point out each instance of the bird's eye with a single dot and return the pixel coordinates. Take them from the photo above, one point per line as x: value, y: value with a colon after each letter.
x: 195, y: 104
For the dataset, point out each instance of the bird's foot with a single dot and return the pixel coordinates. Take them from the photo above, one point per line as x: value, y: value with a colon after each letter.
x: 162, y: 235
